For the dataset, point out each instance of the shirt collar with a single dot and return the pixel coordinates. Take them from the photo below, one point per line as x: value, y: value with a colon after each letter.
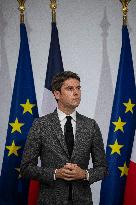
x: 62, y: 115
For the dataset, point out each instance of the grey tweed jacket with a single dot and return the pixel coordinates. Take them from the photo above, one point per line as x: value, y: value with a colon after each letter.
x: 46, y: 140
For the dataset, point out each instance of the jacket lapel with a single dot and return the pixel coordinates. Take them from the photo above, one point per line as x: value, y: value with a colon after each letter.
x: 58, y: 131
x: 78, y: 135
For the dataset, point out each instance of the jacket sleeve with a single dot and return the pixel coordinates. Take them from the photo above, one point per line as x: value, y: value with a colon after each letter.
x: 99, y: 169
x: 29, y: 165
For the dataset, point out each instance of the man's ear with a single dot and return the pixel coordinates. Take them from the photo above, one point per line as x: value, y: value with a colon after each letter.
x: 56, y: 94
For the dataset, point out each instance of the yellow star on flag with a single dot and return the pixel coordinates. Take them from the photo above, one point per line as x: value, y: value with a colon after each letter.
x: 119, y: 125
x: 18, y: 170
x: 116, y: 147
x: 28, y: 107
x: 16, y: 126
x: 124, y: 170
x: 129, y: 106
x: 13, y: 149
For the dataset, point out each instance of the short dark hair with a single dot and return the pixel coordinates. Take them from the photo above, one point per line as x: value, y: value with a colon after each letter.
x: 59, y: 79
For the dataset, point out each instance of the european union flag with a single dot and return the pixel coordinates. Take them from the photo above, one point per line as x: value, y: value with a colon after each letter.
x: 122, y: 128
x: 14, y: 189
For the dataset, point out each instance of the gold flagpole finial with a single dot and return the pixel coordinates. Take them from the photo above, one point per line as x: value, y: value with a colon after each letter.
x: 53, y: 6
x: 125, y: 10
x: 21, y: 8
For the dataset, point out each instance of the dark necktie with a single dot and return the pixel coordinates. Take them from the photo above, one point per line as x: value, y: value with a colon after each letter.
x: 69, y: 137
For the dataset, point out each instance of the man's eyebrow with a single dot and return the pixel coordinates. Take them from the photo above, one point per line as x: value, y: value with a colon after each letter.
x: 71, y: 86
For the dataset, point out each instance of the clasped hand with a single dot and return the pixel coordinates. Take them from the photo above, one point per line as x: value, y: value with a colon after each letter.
x: 70, y: 172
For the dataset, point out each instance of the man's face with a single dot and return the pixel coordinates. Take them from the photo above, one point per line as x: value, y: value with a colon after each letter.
x: 70, y: 94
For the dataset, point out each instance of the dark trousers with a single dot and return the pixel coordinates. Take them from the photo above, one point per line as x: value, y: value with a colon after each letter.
x: 70, y: 202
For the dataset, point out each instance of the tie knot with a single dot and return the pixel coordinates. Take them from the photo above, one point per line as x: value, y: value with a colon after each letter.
x: 69, y: 118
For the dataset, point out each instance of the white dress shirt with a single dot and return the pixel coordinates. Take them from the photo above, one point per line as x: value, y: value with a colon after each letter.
x: 62, y: 119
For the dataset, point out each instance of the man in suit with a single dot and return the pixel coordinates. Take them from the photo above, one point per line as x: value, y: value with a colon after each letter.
x: 64, y: 141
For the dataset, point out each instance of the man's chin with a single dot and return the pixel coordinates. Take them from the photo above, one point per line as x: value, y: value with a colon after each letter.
x: 75, y: 105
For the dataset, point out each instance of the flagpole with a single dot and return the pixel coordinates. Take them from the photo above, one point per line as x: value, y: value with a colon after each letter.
x: 125, y: 10
x: 21, y: 8
x: 53, y: 6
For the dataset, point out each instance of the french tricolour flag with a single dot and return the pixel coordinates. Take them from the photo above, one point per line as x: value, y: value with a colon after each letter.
x: 54, y: 66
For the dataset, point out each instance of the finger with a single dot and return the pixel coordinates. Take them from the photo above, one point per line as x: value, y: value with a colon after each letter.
x: 71, y: 164
x: 69, y: 179
x: 68, y: 166
x: 68, y: 163
x: 75, y: 165
x: 67, y: 175
x: 69, y: 172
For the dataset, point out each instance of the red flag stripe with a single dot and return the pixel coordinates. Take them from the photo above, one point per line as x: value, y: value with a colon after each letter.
x: 130, y: 192
x: 33, y: 192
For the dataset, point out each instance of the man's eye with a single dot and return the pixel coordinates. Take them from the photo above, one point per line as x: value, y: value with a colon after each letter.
x: 70, y: 88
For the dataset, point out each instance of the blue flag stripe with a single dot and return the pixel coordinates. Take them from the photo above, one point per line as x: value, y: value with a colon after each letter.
x: 55, y: 64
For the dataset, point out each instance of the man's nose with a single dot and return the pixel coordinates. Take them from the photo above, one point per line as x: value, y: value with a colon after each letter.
x: 76, y: 91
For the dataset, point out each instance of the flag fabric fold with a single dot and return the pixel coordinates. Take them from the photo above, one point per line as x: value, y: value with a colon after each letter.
x: 54, y: 66
x: 13, y: 188
x: 122, y: 128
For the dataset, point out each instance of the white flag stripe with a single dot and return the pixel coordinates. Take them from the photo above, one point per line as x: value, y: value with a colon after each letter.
x: 133, y: 156
x: 49, y: 103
